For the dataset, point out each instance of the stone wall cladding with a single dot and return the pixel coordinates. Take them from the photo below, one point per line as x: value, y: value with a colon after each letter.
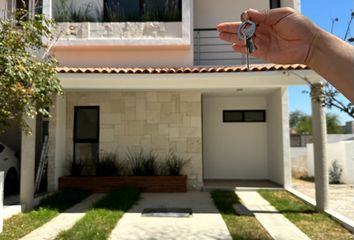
x: 159, y: 121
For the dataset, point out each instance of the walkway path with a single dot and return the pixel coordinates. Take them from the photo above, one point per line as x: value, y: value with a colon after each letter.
x: 63, y: 221
x: 205, y: 223
x: 341, y: 196
x: 278, y: 226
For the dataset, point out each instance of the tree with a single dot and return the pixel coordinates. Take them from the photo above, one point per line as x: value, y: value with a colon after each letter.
x: 302, y: 123
x: 331, y: 97
x: 28, y: 79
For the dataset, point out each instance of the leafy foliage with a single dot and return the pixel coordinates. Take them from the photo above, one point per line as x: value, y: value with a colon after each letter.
x: 28, y: 79
x: 302, y: 123
x: 335, y: 173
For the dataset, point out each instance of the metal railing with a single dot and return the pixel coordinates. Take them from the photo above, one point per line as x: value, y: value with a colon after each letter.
x: 210, y: 50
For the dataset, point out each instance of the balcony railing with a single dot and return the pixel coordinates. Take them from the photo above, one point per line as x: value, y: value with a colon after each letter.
x: 210, y: 50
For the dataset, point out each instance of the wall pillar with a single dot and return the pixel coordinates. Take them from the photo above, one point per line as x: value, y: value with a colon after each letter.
x: 319, y: 132
x: 57, y: 142
x: 28, y: 162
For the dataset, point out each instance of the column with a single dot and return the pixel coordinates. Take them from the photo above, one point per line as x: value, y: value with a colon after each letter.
x: 319, y: 132
x: 28, y: 162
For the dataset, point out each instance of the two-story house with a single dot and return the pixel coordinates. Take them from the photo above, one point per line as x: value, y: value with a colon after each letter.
x: 153, y: 74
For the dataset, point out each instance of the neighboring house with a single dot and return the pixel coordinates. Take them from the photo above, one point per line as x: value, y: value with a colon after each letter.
x: 169, y: 84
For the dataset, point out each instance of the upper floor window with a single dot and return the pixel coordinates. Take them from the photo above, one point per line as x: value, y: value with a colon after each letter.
x: 274, y: 4
x: 117, y: 11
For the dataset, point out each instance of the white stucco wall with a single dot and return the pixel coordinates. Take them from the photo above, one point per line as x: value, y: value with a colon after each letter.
x: 296, y: 4
x: 2, y: 8
x: 279, y: 164
x: 343, y: 152
x: 233, y: 150
x: 209, y: 13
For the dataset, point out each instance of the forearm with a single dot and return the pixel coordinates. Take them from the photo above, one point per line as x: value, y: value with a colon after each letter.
x: 333, y: 59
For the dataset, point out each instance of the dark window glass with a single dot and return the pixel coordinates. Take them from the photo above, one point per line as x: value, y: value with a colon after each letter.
x: 274, y: 4
x: 122, y: 10
x: 86, y: 124
x: 254, y: 116
x: 142, y: 10
x: 233, y: 116
x: 1, y: 148
x: 38, y: 8
x: 244, y: 116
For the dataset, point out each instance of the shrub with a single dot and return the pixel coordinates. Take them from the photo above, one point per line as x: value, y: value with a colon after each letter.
x: 174, y: 164
x: 76, y: 168
x: 335, y: 173
x: 107, y: 165
x: 142, y: 163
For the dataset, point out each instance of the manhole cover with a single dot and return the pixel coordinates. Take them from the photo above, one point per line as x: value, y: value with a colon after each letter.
x: 167, y: 212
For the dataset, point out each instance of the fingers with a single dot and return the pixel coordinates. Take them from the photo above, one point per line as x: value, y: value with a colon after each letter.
x: 228, y: 27
x: 268, y: 17
x: 230, y: 37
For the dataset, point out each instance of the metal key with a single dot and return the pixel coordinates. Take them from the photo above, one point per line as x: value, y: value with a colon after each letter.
x: 245, y: 31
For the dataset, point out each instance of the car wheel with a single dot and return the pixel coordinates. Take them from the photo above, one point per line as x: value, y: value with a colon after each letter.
x: 11, y: 183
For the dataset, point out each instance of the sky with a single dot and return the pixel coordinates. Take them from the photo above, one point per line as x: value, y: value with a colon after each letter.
x: 321, y: 12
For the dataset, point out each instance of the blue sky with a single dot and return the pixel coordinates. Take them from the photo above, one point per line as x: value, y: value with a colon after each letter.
x: 321, y: 12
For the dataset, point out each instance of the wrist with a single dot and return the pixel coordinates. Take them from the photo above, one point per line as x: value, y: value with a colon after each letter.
x: 314, y: 47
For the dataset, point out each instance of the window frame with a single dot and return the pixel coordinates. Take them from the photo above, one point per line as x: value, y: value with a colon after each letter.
x: 274, y: 4
x: 243, y: 112
x: 88, y: 140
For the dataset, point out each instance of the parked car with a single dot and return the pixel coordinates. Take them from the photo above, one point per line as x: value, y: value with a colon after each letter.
x: 10, y: 164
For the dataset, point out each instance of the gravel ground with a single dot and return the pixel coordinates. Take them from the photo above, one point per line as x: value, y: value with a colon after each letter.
x: 341, y: 196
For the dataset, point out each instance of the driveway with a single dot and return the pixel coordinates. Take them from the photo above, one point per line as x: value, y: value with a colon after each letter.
x: 341, y: 196
x: 204, y: 223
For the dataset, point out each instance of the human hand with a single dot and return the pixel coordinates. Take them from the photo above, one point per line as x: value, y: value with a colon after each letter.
x: 282, y: 35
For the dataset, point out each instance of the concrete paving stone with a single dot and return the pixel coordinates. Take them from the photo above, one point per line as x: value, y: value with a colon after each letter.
x: 63, y: 221
x: 278, y: 226
x: 206, y: 222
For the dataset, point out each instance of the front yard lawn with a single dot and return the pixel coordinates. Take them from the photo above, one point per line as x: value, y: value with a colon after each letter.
x: 240, y: 227
x: 314, y: 224
x: 100, y: 220
x: 24, y: 223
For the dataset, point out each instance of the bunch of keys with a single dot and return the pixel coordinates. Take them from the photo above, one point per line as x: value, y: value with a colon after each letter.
x: 245, y: 32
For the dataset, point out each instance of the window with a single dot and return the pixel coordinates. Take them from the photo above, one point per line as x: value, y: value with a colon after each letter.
x: 118, y: 11
x: 244, y: 116
x: 86, y: 124
x: 274, y: 4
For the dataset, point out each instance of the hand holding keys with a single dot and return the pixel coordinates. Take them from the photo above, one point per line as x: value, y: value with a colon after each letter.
x: 246, y: 31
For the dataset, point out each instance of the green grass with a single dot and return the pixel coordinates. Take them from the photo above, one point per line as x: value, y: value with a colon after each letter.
x: 314, y: 224
x: 240, y: 227
x: 24, y: 223
x: 100, y: 220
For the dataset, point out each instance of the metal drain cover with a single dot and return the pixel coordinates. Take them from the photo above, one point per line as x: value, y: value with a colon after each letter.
x: 167, y: 212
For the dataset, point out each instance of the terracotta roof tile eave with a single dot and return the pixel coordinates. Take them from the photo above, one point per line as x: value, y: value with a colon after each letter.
x: 167, y: 70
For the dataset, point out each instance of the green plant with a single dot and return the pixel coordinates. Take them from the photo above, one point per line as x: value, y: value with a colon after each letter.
x: 100, y: 220
x: 107, y: 165
x: 174, y: 164
x: 314, y: 224
x: 24, y: 223
x: 142, y: 163
x: 76, y: 168
x: 335, y: 172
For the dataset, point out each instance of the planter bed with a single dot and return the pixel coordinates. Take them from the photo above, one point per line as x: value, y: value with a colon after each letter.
x: 144, y: 183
